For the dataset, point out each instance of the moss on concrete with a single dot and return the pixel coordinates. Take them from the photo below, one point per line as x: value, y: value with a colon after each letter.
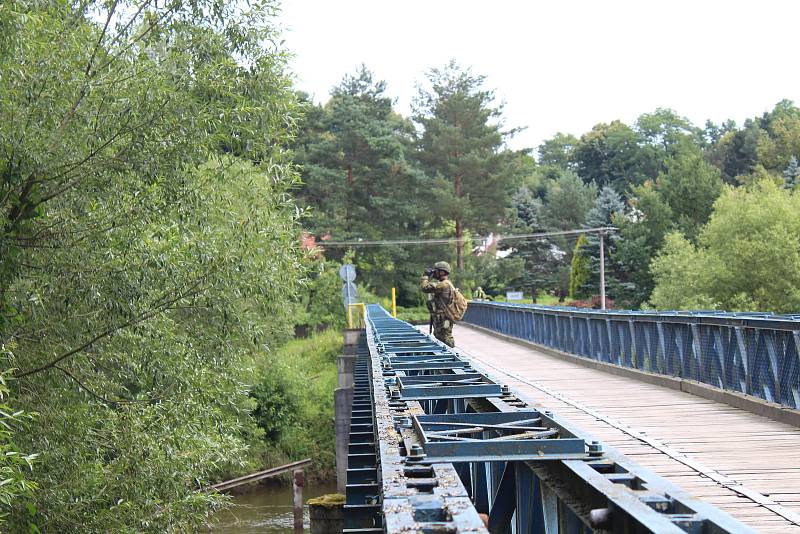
x: 330, y: 500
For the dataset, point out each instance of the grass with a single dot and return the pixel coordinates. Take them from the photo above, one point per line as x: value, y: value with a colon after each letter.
x: 413, y: 315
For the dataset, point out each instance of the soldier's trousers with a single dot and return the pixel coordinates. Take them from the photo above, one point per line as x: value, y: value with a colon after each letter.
x: 443, y: 329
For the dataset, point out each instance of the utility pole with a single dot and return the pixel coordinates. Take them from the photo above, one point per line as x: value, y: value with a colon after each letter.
x: 602, y: 273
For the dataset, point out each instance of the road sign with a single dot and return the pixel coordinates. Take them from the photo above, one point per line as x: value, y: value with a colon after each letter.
x: 347, y: 272
x: 513, y: 295
x: 349, y: 293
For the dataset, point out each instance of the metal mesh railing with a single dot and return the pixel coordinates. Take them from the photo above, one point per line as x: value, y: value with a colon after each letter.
x: 753, y: 353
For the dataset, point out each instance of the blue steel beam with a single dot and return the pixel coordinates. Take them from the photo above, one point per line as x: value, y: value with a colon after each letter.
x: 495, y: 436
x: 434, y: 463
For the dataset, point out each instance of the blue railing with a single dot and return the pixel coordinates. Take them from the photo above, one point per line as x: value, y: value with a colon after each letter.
x: 753, y: 353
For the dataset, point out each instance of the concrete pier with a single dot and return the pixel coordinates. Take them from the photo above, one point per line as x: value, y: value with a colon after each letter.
x: 327, y: 514
x: 343, y: 402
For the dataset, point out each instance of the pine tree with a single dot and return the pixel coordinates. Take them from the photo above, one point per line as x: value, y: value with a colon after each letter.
x: 471, y: 173
x: 354, y: 155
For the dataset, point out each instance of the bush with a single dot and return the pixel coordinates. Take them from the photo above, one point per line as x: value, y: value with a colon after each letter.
x: 323, y: 302
x: 294, y: 403
x: 276, y: 407
x: 580, y: 272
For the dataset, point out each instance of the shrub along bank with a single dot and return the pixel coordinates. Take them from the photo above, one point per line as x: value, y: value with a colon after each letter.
x: 293, y: 393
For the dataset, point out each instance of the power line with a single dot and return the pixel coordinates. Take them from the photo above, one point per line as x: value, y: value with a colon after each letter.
x: 445, y: 241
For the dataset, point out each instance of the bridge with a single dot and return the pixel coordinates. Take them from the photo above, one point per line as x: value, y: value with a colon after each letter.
x: 551, y: 420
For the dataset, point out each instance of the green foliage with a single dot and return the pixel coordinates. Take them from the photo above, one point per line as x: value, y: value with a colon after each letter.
x: 779, y: 138
x: 15, y: 465
x: 663, y: 131
x: 610, y: 154
x: 459, y: 180
x: 791, y: 174
x: 415, y: 315
x: 323, y: 297
x: 494, y: 275
x: 462, y: 151
x: 768, y: 142
x: 355, y: 153
x: 642, y: 233
x: 568, y: 200
x: 580, y: 270
x: 607, y: 207
x: 537, y: 255
x: 747, y: 257
x: 276, y: 406
x: 557, y: 151
x: 294, y: 403
x: 689, y: 186
x: 680, y: 274
x: 148, y: 250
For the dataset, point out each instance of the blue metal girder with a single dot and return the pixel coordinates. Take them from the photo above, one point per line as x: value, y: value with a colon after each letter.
x: 447, y: 386
x: 498, y: 436
x: 433, y: 461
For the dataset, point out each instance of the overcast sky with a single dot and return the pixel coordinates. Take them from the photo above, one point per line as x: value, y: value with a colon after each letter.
x: 563, y: 65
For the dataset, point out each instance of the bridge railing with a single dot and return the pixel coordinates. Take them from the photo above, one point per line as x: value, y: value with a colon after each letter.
x: 753, y: 353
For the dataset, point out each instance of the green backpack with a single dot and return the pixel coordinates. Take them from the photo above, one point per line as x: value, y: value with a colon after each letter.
x: 457, y: 307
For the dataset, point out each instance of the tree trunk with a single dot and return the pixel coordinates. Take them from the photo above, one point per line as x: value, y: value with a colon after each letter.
x: 459, y: 229
x: 459, y: 246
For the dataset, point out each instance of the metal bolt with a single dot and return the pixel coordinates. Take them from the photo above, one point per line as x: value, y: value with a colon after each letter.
x: 595, y: 448
x: 416, y: 453
x: 505, y: 389
x: 395, y: 394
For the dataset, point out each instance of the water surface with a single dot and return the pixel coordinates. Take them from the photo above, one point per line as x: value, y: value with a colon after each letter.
x: 265, y: 509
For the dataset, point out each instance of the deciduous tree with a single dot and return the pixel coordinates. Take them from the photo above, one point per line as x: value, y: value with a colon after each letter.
x: 747, y: 257
x: 146, y: 233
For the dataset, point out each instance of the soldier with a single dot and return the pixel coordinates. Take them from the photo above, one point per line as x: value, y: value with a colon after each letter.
x: 440, y: 291
x: 480, y: 294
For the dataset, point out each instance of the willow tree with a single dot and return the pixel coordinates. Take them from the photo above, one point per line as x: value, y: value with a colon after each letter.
x: 146, y: 233
x: 462, y: 148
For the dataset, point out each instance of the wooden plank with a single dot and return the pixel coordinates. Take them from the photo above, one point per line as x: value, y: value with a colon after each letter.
x: 760, y: 454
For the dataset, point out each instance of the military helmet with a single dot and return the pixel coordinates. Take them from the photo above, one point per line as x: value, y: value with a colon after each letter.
x: 442, y: 266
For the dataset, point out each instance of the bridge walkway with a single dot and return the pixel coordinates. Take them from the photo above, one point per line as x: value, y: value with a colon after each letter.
x: 746, y: 465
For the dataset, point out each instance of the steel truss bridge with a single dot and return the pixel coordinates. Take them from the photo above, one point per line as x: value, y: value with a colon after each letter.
x: 436, y: 445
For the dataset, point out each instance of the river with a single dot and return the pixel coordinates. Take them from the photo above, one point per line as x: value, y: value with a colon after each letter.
x: 265, y: 509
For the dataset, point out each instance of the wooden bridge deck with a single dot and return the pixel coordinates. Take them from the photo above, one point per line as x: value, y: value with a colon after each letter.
x: 745, y: 464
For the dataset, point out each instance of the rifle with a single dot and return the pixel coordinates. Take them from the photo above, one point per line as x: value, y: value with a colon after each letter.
x: 430, y: 325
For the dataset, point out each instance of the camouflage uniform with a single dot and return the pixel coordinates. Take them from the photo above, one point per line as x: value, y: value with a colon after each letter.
x: 441, y: 294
